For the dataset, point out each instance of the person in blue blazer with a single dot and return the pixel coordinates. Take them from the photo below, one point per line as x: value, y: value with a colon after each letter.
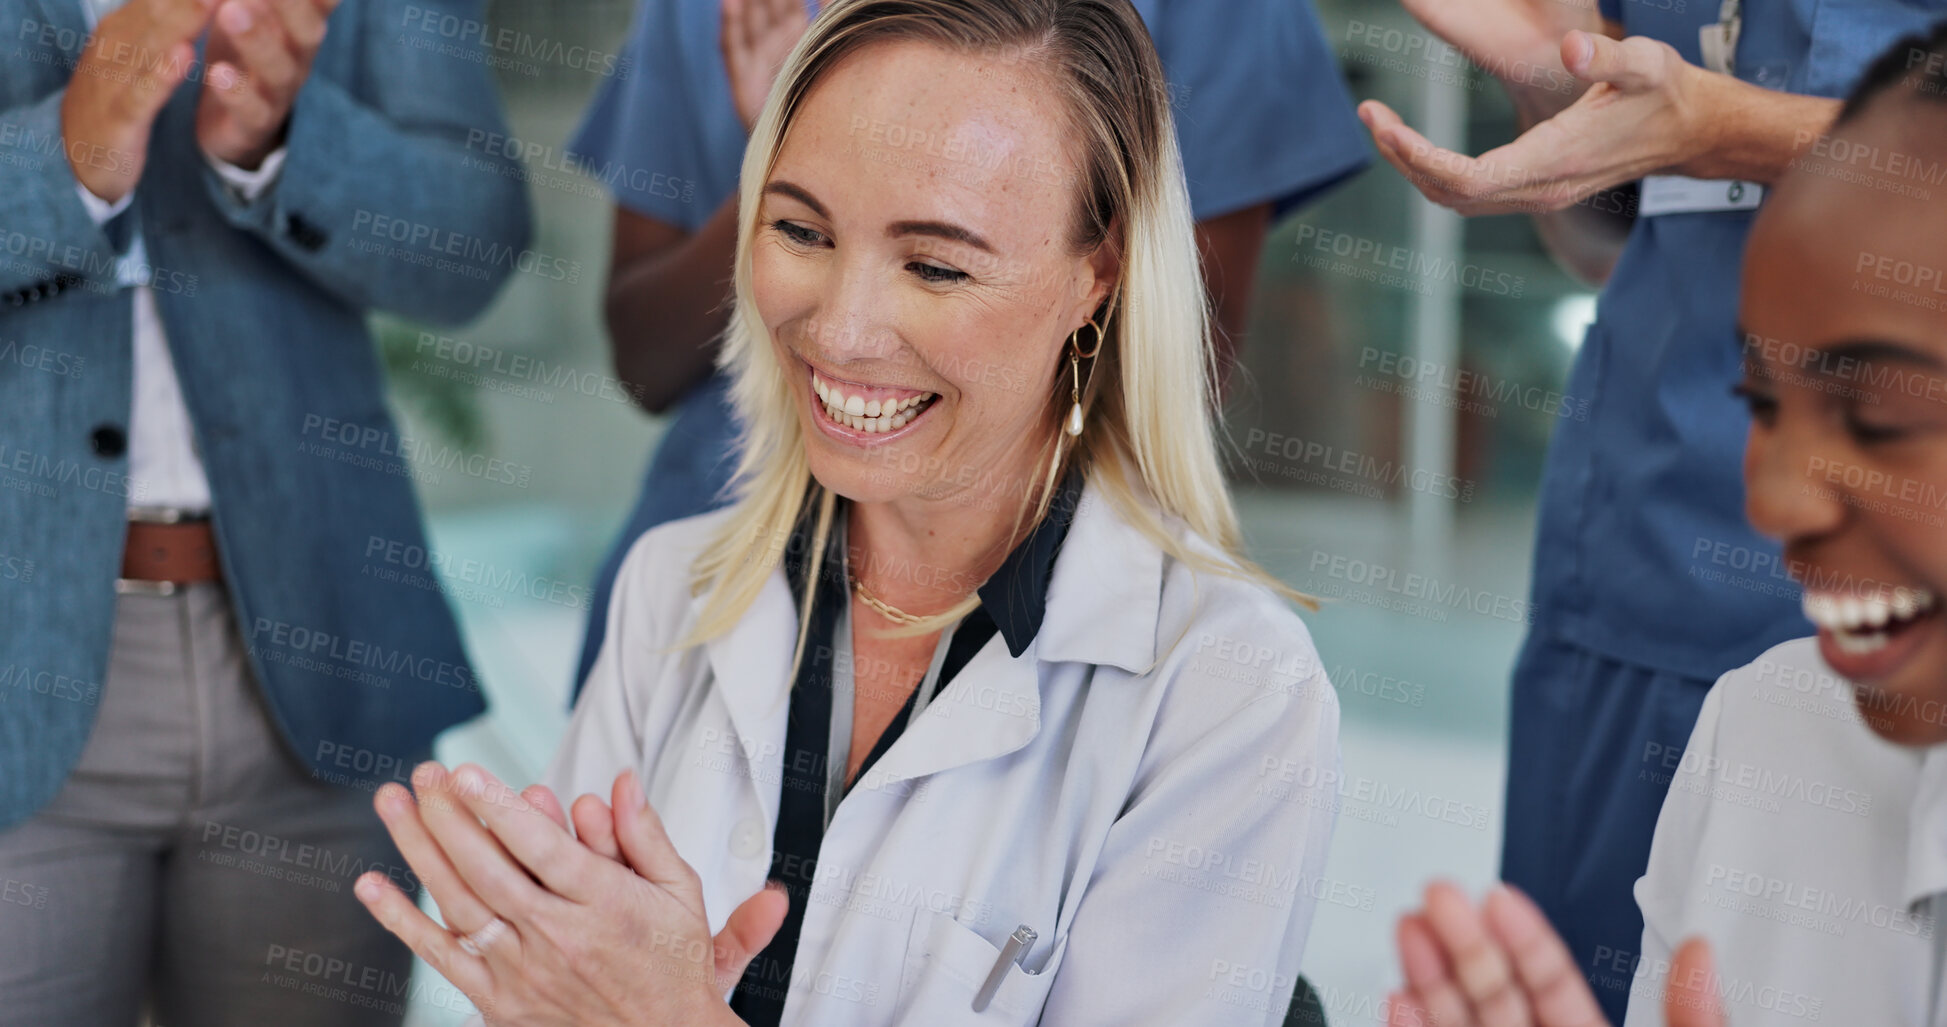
x: 204, y: 670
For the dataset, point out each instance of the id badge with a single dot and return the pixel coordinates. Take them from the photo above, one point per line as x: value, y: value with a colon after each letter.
x: 1675, y: 194
x: 1717, y: 42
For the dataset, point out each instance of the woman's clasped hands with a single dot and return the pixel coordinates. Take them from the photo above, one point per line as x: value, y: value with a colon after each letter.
x: 1501, y: 964
x: 604, y: 926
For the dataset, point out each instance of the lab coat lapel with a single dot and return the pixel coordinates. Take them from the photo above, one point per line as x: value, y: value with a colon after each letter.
x: 751, y: 667
x: 1103, y: 599
x: 989, y: 709
x: 1106, y: 593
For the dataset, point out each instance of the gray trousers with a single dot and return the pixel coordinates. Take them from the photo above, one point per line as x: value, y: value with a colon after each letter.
x: 190, y: 869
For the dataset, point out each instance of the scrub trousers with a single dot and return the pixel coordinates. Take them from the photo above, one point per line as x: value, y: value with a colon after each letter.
x: 1590, y: 743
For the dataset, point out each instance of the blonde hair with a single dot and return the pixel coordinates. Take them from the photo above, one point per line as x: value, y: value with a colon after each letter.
x: 1150, y: 446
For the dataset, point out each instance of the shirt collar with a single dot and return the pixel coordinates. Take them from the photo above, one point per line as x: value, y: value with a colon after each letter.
x: 797, y: 556
x: 1015, y: 598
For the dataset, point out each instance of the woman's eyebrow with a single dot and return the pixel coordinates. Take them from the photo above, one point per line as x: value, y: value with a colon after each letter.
x: 1880, y: 351
x: 800, y: 194
x: 938, y: 229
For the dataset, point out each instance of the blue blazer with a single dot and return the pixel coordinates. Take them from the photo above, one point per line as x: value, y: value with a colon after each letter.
x: 380, y: 205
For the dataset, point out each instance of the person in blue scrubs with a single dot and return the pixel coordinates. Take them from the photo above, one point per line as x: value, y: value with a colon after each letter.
x: 1648, y: 583
x: 1263, y: 119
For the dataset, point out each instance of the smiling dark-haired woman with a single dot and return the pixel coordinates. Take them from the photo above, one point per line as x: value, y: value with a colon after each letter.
x: 1800, y: 863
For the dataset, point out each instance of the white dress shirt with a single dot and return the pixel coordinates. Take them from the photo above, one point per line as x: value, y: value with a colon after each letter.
x: 1150, y: 786
x: 1807, y: 850
x: 163, y: 467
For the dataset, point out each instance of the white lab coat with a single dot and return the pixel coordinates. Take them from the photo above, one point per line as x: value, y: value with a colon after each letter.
x: 1150, y: 786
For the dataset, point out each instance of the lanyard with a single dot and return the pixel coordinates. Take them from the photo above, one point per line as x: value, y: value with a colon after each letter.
x: 1717, y: 43
x: 838, y: 744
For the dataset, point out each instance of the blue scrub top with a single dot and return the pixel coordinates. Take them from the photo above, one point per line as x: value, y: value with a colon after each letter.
x: 1644, y: 554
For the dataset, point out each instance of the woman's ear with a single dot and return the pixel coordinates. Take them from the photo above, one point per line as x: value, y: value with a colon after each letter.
x: 1104, y: 272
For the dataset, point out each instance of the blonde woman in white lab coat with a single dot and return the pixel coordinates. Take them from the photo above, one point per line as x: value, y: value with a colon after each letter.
x: 974, y: 666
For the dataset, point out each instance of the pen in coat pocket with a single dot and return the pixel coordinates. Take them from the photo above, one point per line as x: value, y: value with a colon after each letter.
x: 1017, y: 946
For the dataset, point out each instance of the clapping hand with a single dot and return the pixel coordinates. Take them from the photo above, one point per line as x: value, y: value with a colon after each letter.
x: 129, y: 68
x: 1646, y: 110
x: 608, y: 929
x: 757, y: 36
x: 260, y: 54
x: 1503, y: 965
x: 1516, y: 41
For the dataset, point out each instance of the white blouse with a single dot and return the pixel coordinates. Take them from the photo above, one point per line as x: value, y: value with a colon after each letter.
x: 1805, y: 848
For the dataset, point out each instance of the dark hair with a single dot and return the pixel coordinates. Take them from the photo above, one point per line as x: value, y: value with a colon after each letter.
x: 1916, y: 66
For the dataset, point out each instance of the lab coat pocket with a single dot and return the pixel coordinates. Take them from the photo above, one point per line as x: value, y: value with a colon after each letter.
x: 947, y: 962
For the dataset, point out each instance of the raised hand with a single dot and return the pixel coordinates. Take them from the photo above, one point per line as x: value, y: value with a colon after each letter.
x: 757, y: 36
x: 137, y: 57
x: 260, y: 54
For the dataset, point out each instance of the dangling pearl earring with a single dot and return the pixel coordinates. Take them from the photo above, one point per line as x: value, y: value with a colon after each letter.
x: 1075, y: 412
x: 1075, y: 356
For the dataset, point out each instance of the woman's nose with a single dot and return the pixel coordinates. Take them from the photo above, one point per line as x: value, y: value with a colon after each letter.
x: 1794, y: 486
x: 852, y: 321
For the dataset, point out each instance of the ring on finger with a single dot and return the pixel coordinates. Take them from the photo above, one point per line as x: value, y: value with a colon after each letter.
x: 476, y: 943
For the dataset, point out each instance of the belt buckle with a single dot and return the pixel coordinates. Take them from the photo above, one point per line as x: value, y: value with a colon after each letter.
x: 138, y: 587
x: 156, y: 515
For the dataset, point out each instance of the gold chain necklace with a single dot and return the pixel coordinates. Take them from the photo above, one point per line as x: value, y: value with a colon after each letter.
x: 885, y: 609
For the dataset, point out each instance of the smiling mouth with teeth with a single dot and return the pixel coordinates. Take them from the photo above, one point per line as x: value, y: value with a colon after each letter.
x: 876, y: 415
x: 1865, y: 624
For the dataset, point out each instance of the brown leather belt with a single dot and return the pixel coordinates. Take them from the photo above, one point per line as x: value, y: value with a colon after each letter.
x: 175, y: 553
